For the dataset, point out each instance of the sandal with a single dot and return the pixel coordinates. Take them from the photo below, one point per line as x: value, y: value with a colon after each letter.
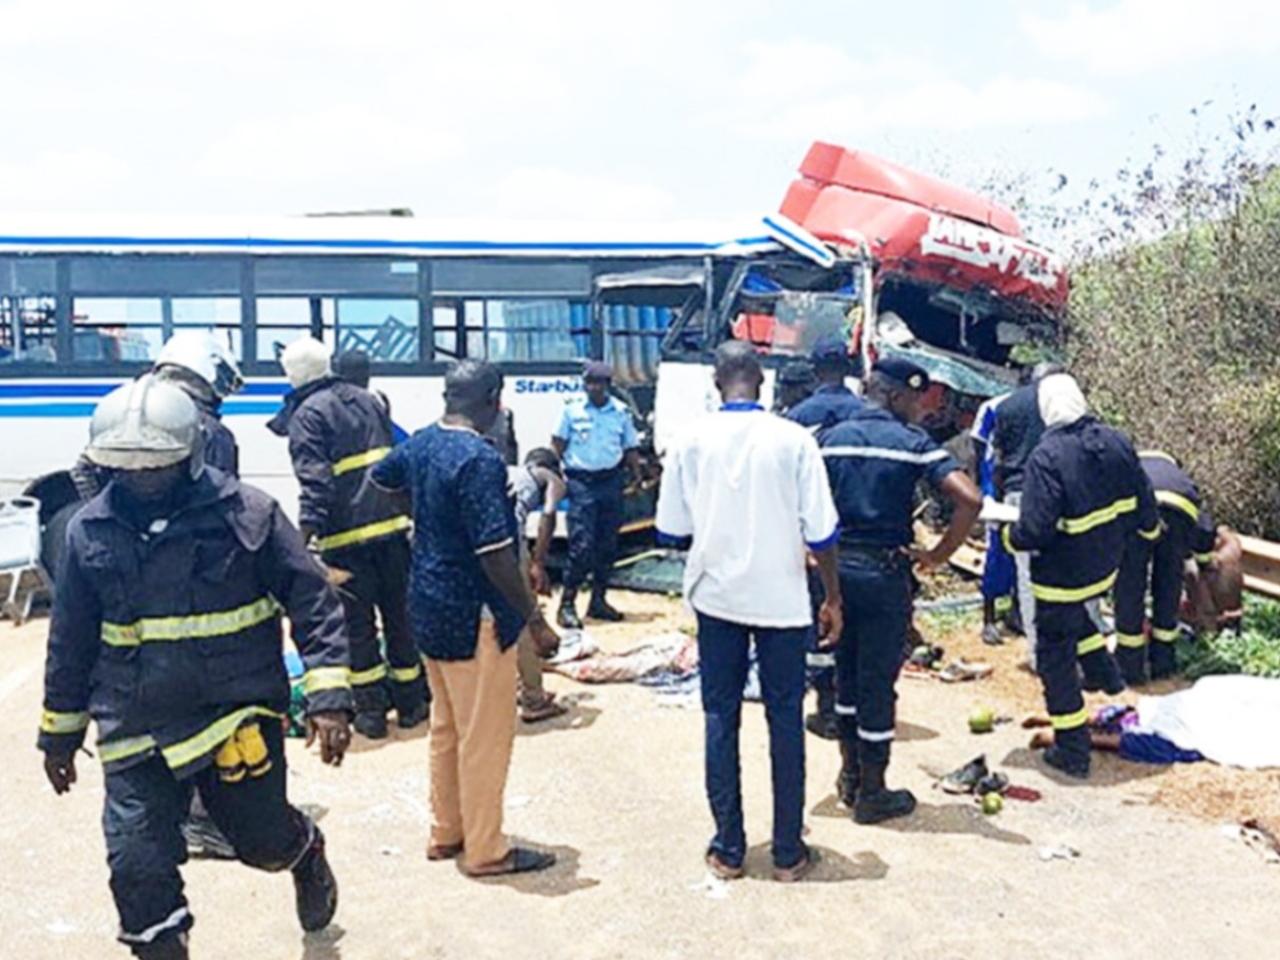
x: 443, y: 851
x: 721, y: 870
x: 518, y: 860
x: 543, y: 708
x: 798, y: 871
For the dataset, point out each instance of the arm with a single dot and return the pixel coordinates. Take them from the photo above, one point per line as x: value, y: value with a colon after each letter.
x: 392, y: 471
x: 554, y: 490
x: 1149, y: 523
x: 820, y: 525
x: 319, y: 632
x: 966, y: 499
x: 631, y: 447
x: 564, y: 430
x: 632, y: 459
x: 74, y: 639
x: 672, y: 517
x: 308, y: 448
x: 831, y: 613
x: 1040, y: 510
x: 1203, y: 539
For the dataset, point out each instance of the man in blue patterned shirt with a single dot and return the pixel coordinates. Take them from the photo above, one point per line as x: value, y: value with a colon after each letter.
x: 467, y: 605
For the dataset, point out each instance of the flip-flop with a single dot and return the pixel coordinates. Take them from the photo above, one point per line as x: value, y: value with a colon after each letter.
x: 721, y: 870
x: 798, y: 871
x: 548, y: 709
x: 518, y: 860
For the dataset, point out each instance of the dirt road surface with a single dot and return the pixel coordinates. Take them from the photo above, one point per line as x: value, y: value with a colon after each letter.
x: 616, y: 790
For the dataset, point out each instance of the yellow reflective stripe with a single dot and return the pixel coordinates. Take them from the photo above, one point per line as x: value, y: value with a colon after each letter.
x: 1131, y: 640
x: 178, y: 755
x: 1077, y: 525
x: 406, y: 674
x: 1006, y: 537
x: 1152, y: 534
x: 124, y: 748
x: 192, y: 627
x: 1090, y: 644
x: 361, y: 678
x: 1204, y: 559
x: 1069, y: 721
x: 358, y: 461
x: 1072, y: 594
x: 1165, y: 636
x: 324, y: 678
x: 53, y: 721
x: 360, y: 534
x: 1176, y: 500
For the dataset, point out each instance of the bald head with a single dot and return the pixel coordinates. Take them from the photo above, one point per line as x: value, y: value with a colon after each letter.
x: 472, y: 390
x: 738, y: 371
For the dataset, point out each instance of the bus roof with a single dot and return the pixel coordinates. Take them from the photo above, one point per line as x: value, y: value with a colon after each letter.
x: 376, y: 235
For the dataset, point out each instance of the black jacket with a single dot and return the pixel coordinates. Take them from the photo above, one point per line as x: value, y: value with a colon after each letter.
x: 1084, y: 494
x: 1180, y: 502
x: 1018, y: 429
x: 336, y: 432
x: 170, y: 637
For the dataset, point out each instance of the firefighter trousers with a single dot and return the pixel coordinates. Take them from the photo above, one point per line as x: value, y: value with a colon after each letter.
x: 142, y: 817
x: 1154, y: 569
x: 1060, y: 628
x: 378, y: 590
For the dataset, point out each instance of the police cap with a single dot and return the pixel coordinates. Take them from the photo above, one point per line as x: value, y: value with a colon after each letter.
x: 597, y: 370
x: 829, y: 351
x: 904, y: 372
x: 796, y: 373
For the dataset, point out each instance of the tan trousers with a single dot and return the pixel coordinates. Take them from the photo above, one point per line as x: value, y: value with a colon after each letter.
x: 531, y: 686
x: 473, y: 727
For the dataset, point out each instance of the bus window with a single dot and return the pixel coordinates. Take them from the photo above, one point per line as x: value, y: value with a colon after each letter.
x: 219, y: 315
x: 28, y: 330
x: 444, y: 319
x: 282, y: 320
x: 116, y: 329
x: 387, y: 330
x: 529, y: 331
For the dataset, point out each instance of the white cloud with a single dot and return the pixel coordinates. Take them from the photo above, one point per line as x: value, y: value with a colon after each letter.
x: 1135, y: 36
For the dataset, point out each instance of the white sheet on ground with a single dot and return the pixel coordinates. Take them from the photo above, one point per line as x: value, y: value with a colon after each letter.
x: 1232, y: 720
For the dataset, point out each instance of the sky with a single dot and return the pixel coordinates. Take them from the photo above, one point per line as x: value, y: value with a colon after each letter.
x: 666, y: 109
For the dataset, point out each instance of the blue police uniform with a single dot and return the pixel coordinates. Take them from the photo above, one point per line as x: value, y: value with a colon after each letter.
x: 167, y: 634
x: 1084, y: 494
x: 596, y: 440
x: 825, y: 407
x: 337, y: 432
x: 874, y: 461
x: 1187, y: 530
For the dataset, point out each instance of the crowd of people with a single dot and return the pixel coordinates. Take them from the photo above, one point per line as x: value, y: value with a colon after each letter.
x: 411, y: 587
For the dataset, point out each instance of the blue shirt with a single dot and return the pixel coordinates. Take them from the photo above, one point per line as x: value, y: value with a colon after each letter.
x: 873, y: 462
x: 461, y: 512
x: 825, y: 407
x: 596, y: 437
x: 983, y: 431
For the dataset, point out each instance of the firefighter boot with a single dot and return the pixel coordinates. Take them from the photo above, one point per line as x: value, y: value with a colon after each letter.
x: 1070, y: 753
x: 1133, y: 664
x: 567, y: 616
x: 599, y: 608
x: 1164, y: 662
x: 850, y: 774
x: 315, y: 887
x: 165, y: 948
x: 411, y: 700
x: 876, y: 802
x: 371, y: 703
x: 1101, y: 672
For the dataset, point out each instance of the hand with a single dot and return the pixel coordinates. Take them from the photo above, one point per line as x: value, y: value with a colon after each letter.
x: 545, y: 640
x: 60, y: 768
x: 336, y: 576
x: 332, y: 728
x: 830, y: 624
x: 539, y: 582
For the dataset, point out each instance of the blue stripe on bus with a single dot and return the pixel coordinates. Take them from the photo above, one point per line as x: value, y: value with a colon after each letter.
x: 48, y: 391
x: 301, y: 244
x: 40, y: 411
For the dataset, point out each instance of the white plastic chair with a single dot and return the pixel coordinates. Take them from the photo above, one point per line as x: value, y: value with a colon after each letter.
x: 20, y: 555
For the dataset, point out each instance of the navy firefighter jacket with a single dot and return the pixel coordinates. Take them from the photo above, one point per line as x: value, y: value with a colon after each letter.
x: 169, y: 637
x: 1084, y: 493
x: 1180, y: 502
x: 337, y: 432
x: 873, y: 461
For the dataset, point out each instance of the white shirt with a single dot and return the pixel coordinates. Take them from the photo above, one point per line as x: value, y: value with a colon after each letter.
x: 751, y: 490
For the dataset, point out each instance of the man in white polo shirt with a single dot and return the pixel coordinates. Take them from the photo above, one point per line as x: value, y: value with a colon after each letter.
x: 747, y: 492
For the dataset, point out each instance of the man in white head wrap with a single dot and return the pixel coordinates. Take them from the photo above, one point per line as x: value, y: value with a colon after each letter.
x: 1085, y: 494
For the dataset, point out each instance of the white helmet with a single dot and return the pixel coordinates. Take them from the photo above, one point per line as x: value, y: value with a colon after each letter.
x: 305, y: 361
x: 145, y: 425
x: 200, y: 352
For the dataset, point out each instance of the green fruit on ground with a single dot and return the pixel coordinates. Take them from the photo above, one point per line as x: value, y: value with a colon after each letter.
x: 992, y: 803
x: 982, y: 720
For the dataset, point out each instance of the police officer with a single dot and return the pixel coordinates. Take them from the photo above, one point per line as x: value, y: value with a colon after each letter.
x: 874, y: 460
x: 337, y: 432
x: 831, y: 400
x: 1187, y: 530
x: 796, y: 383
x: 1084, y: 494
x: 166, y: 632
x: 596, y: 434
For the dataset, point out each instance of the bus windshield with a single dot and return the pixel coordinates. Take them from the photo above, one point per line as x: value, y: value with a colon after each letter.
x: 784, y: 311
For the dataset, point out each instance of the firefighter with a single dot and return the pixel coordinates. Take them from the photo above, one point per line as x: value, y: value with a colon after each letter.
x: 874, y: 460
x: 1186, y: 530
x: 166, y: 632
x: 205, y: 371
x: 1084, y: 494
x: 337, y: 432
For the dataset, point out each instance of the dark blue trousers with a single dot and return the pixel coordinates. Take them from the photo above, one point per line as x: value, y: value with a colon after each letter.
x: 877, y: 613
x: 1059, y: 629
x: 723, y: 663
x: 142, y: 818
x: 595, y: 513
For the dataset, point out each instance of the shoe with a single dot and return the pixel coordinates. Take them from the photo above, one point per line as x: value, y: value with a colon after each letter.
x: 410, y: 717
x: 966, y: 779
x: 1059, y: 759
x: 567, y: 617
x: 823, y: 725
x: 519, y: 860
x: 166, y: 948
x: 315, y: 887
x: 1163, y: 661
x: 883, y: 805
x: 991, y: 635
x: 599, y: 609
x: 850, y: 777
x: 1112, y: 685
x: 992, y: 783
x: 371, y: 725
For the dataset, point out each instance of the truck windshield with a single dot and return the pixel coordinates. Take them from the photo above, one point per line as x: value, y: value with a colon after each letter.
x: 769, y: 311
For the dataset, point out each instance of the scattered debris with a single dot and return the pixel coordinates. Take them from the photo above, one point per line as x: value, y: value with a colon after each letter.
x: 575, y: 645
x: 389, y: 851
x: 965, y: 779
x: 1025, y: 794
x: 992, y: 783
x: 671, y: 652
x: 1058, y: 852
x: 712, y: 887
x: 962, y: 670
x: 1256, y: 837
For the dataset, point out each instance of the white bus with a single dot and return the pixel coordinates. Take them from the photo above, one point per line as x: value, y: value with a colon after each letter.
x: 85, y: 306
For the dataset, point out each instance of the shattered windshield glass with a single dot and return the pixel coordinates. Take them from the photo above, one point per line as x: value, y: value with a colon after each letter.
x: 784, y: 321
